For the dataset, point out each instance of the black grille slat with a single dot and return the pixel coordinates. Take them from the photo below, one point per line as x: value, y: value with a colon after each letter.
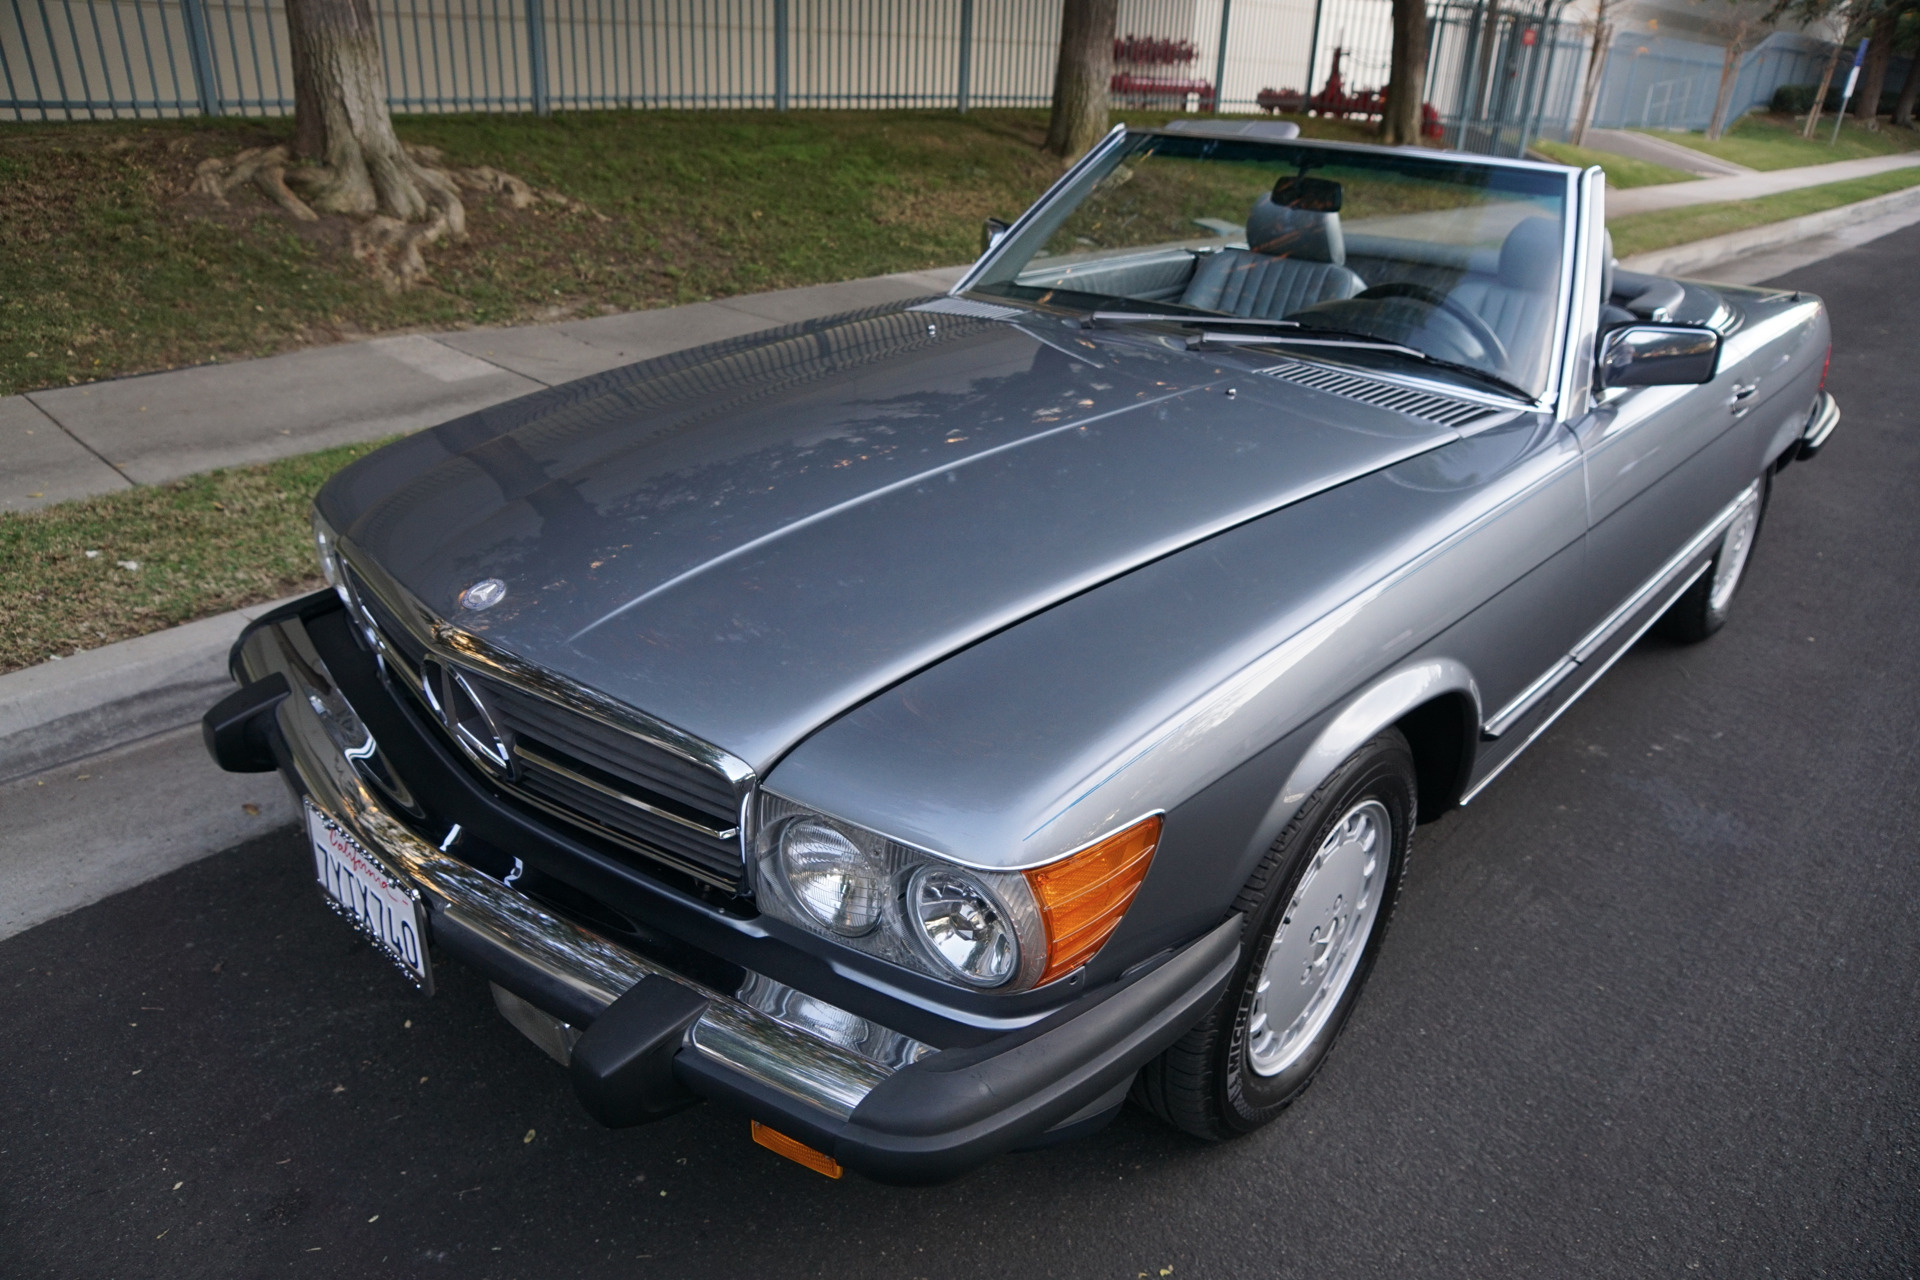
x: 609, y: 750
x: 715, y: 857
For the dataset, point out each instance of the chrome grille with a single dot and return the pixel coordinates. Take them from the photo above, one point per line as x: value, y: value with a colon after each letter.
x: 1425, y: 405
x: 620, y: 783
x: 615, y: 783
x: 396, y: 636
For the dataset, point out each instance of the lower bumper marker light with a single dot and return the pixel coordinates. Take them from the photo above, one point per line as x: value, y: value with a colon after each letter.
x: 798, y: 1152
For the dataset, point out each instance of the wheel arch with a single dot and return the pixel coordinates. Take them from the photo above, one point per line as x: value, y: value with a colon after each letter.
x: 1434, y: 702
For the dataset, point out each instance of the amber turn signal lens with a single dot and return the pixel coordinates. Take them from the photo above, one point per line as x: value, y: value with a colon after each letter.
x: 796, y: 1151
x: 1083, y: 897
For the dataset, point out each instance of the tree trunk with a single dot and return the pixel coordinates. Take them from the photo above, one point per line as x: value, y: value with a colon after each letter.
x: 1729, y: 70
x: 1082, y: 78
x: 1909, y: 90
x: 340, y: 114
x: 1873, y: 76
x: 1820, y: 95
x: 1596, y: 71
x: 1407, y: 75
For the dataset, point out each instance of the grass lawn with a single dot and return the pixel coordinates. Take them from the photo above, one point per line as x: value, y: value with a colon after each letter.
x: 1639, y: 232
x: 197, y: 547
x: 1768, y: 141
x: 108, y: 268
x: 1622, y: 171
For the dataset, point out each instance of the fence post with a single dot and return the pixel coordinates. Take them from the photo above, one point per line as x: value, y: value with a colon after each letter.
x: 966, y: 57
x: 200, y: 55
x: 1313, y: 48
x: 537, y: 56
x: 1541, y: 80
x: 1220, y: 60
x: 779, y: 55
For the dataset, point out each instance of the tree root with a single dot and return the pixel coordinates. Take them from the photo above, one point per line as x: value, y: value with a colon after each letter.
x: 265, y: 167
x: 391, y: 247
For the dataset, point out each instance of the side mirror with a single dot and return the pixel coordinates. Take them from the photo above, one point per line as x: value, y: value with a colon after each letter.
x: 1658, y: 355
x: 992, y: 232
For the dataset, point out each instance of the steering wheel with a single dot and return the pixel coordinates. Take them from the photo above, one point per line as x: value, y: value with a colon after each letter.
x: 1488, y: 340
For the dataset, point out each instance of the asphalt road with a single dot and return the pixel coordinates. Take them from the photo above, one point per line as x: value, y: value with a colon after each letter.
x: 1650, y: 1007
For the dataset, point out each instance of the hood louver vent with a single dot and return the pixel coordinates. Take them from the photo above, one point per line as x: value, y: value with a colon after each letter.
x: 967, y: 307
x: 1387, y: 395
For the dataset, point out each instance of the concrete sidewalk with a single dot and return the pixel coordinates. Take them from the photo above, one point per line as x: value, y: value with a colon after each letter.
x: 73, y: 442
x: 1750, y: 185
x: 1657, y: 150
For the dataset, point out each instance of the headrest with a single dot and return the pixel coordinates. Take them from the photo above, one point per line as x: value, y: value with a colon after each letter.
x: 1284, y: 232
x: 1607, y: 263
x: 1530, y: 255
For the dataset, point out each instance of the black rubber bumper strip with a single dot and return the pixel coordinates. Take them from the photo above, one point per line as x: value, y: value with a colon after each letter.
x: 955, y: 1110
x: 237, y: 729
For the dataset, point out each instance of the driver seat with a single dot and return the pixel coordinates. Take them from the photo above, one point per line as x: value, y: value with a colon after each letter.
x: 1517, y: 303
x: 1293, y: 259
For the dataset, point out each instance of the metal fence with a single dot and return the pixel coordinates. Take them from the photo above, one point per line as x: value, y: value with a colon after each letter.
x: 1497, y: 74
x: 93, y: 59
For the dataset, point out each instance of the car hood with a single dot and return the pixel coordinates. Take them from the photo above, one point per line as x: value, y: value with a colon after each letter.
x: 749, y: 539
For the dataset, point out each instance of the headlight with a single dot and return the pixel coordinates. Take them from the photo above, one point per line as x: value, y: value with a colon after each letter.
x: 1004, y: 930
x: 839, y: 884
x: 963, y: 925
x: 325, y: 543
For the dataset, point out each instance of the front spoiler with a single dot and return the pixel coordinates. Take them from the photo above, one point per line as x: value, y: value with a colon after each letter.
x: 925, y: 1122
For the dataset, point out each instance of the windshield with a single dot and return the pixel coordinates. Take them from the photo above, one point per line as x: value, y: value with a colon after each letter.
x: 1456, y: 259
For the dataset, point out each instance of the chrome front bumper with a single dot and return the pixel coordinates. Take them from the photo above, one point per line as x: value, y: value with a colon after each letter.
x: 334, y: 760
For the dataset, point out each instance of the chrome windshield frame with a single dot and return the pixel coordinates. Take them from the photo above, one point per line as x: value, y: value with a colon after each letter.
x: 1575, y: 255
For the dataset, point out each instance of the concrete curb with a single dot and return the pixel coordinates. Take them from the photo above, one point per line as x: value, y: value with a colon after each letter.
x: 60, y: 712
x: 1700, y: 255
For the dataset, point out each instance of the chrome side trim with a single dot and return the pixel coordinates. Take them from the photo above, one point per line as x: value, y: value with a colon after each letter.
x: 781, y: 1056
x: 1601, y: 669
x: 580, y: 779
x: 1648, y: 603
x: 1590, y: 644
x: 1528, y: 698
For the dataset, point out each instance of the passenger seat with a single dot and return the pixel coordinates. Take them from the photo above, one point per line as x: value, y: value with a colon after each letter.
x: 1293, y: 259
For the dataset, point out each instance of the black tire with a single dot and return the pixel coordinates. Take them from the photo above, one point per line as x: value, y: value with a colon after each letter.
x: 1205, y: 1084
x: 1694, y: 616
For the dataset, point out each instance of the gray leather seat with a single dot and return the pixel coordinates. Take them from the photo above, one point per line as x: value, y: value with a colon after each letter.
x: 1517, y: 303
x: 1293, y: 259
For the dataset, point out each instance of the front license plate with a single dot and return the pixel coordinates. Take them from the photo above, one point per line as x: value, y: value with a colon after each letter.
x: 384, y: 909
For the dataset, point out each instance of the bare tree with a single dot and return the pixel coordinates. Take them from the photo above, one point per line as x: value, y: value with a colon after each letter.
x: 341, y: 121
x: 1873, y: 77
x: 1406, y: 75
x: 1082, y: 76
x: 345, y: 158
x: 1600, y: 29
x: 1741, y: 24
x: 1909, y: 90
x: 1839, y: 14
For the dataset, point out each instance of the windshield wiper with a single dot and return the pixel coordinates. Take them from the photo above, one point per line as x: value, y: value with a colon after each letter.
x: 1319, y: 338
x: 1355, y: 340
x: 1201, y: 319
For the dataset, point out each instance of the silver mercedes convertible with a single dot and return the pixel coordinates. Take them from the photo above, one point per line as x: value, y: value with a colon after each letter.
x: 925, y: 729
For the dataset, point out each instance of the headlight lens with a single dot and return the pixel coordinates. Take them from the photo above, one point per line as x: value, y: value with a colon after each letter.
x: 324, y: 543
x: 964, y: 925
x: 839, y: 884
